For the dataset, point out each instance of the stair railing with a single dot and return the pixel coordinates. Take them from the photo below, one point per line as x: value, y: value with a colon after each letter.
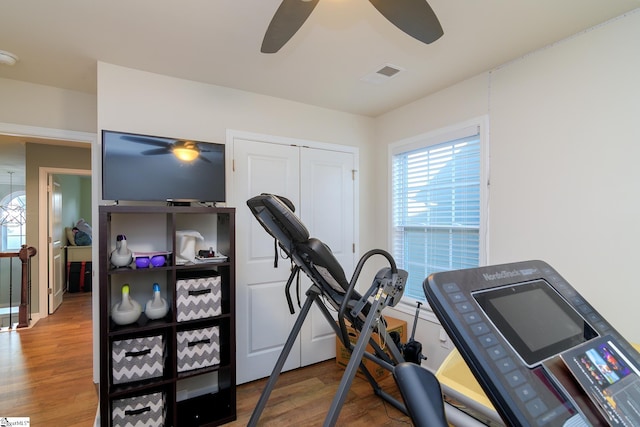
x: 24, y: 255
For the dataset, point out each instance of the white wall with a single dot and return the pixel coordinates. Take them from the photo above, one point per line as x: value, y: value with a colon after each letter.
x: 45, y: 106
x: 564, y: 144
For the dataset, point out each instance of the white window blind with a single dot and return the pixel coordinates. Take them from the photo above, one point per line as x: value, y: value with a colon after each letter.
x: 436, y: 208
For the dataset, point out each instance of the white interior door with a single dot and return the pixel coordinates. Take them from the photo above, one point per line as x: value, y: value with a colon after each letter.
x: 263, y: 321
x: 321, y: 186
x: 327, y: 208
x: 56, y: 268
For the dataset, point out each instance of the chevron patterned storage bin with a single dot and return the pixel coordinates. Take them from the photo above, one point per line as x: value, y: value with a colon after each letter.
x: 140, y: 411
x: 198, y: 348
x: 198, y: 298
x: 137, y: 359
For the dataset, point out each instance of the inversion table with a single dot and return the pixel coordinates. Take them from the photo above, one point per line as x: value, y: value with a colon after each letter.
x: 330, y: 288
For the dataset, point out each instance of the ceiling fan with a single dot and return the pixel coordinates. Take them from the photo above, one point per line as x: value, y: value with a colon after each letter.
x: 414, y: 17
x: 186, y: 151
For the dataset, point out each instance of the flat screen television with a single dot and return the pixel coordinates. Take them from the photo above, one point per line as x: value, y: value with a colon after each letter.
x: 147, y: 168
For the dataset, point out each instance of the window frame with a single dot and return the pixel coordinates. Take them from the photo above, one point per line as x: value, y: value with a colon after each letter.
x: 470, y: 127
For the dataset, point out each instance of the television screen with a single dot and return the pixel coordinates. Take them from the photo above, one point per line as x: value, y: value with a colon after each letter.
x: 149, y: 168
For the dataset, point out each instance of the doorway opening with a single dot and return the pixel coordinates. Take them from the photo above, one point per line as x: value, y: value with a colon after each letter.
x: 67, y: 205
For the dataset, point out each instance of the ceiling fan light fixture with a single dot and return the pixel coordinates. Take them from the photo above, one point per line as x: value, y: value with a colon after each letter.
x: 7, y: 58
x: 187, y: 151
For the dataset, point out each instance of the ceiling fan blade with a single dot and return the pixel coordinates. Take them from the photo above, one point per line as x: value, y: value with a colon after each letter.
x: 157, y: 142
x: 285, y: 23
x: 156, y: 151
x: 414, y: 17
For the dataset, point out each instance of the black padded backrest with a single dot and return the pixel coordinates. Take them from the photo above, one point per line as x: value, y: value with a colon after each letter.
x: 275, y: 214
x: 317, y: 254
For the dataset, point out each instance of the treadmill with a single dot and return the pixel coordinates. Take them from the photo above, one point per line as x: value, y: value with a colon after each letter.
x: 542, y: 354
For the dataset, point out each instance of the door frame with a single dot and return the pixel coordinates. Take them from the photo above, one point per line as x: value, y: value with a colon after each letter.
x: 231, y: 183
x: 44, y: 233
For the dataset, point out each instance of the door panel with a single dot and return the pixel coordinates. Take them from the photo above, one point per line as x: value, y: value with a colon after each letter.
x: 270, y: 319
x: 327, y: 208
x: 56, y: 269
x: 263, y: 319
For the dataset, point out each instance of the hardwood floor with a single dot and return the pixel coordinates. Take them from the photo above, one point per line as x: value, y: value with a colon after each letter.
x: 302, y: 398
x: 46, y: 374
x: 46, y: 371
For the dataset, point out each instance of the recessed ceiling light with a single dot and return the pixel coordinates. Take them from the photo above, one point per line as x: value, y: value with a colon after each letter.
x: 7, y: 58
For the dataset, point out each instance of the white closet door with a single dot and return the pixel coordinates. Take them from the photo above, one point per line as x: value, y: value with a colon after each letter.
x: 327, y: 208
x: 320, y: 184
x: 263, y: 321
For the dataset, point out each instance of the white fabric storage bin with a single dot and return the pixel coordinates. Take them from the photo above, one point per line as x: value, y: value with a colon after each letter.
x: 198, y: 348
x: 139, y: 411
x: 137, y: 359
x: 198, y: 298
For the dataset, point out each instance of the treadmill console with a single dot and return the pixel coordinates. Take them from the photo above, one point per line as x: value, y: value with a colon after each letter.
x: 515, y: 325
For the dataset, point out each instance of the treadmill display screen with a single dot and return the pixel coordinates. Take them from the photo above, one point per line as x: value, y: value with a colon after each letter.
x: 534, y: 319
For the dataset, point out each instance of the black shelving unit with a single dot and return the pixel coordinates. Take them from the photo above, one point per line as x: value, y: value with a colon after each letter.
x: 204, y: 396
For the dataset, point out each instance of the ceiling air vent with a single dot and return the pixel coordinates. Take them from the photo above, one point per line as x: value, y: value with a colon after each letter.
x: 384, y: 73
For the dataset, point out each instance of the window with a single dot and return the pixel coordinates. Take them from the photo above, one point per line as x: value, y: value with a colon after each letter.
x: 437, y: 204
x: 12, y: 221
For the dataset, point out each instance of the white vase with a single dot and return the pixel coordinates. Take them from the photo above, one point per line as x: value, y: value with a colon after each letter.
x: 128, y: 310
x: 121, y: 256
x: 156, y: 307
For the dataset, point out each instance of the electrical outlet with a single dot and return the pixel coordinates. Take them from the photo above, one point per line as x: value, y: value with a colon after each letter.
x: 445, y: 342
